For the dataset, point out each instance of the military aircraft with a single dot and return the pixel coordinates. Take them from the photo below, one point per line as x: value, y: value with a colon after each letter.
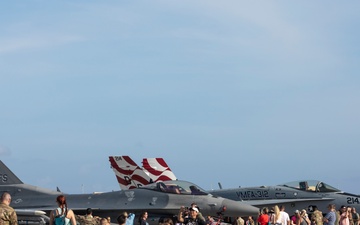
x: 154, y: 198
x: 304, y: 194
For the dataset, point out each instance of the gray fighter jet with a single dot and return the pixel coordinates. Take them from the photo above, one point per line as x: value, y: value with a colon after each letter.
x: 158, y: 199
x: 304, y: 194
x: 294, y: 195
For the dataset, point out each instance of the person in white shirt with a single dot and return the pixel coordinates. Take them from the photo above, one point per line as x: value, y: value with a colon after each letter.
x: 285, y: 218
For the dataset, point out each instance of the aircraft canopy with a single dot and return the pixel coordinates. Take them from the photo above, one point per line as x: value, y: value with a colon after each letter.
x: 176, y: 187
x: 311, y: 185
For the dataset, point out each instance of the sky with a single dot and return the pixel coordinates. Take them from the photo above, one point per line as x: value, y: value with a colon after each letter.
x: 244, y: 93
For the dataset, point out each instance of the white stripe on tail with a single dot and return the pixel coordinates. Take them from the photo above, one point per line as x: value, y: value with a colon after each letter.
x: 157, y: 169
x: 128, y: 174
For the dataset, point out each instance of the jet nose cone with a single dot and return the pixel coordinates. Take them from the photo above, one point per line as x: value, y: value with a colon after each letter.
x: 237, y: 208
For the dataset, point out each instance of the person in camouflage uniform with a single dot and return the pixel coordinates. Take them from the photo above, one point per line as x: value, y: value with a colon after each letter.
x: 7, y: 213
x: 88, y: 219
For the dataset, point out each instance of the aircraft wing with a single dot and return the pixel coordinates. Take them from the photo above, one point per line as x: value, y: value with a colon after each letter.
x: 29, y: 212
x: 28, y: 216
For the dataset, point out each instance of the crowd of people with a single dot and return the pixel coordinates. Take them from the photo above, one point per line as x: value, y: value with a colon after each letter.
x: 62, y: 215
x: 345, y: 215
x: 277, y: 215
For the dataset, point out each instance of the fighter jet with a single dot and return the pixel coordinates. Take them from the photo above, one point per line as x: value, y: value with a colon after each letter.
x: 155, y: 198
x: 304, y: 194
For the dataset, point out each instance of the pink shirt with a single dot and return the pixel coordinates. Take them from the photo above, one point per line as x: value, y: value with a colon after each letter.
x: 344, y: 219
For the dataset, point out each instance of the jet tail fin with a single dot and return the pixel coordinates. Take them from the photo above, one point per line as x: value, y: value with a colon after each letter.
x: 7, y: 176
x: 220, y: 186
x: 158, y: 169
x: 128, y: 173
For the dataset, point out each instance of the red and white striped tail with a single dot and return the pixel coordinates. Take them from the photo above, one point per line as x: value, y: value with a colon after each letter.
x: 128, y: 174
x: 157, y: 169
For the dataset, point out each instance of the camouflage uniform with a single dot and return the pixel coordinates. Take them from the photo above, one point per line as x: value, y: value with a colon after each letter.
x: 7, y: 215
x: 86, y: 220
x: 337, y: 221
x: 239, y: 221
x: 200, y: 216
x: 317, y: 217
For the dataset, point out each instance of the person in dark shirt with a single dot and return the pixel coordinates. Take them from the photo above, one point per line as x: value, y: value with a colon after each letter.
x: 142, y: 219
x: 193, y: 217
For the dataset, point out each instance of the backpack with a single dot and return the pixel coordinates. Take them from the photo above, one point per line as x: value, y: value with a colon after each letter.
x: 59, y: 217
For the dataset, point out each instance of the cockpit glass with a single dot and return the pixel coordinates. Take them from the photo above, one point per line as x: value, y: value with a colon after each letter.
x: 176, y: 187
x: 311, y: 185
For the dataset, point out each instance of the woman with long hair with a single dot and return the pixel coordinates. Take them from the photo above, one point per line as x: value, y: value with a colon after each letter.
x: 275, y: 217
x: 62, y: 215
x: 142, y: 219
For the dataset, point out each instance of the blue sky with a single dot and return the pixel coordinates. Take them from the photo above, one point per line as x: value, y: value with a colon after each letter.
x: 239, y: 92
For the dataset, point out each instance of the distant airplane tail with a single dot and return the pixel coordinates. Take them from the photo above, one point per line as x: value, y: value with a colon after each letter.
x: 7, y: 176
x: 157, y: 169
x: 128, y: 173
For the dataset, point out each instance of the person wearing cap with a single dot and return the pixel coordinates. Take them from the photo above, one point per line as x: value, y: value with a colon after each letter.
x: 199, y: 216
x: 330, y: 217
x: 344, y: 216
x: 192, y: 219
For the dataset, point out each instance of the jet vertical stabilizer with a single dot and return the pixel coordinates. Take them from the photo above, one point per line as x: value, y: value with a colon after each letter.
x: 157, y: 169
x: 8, y: 177
x: 128, y: 173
